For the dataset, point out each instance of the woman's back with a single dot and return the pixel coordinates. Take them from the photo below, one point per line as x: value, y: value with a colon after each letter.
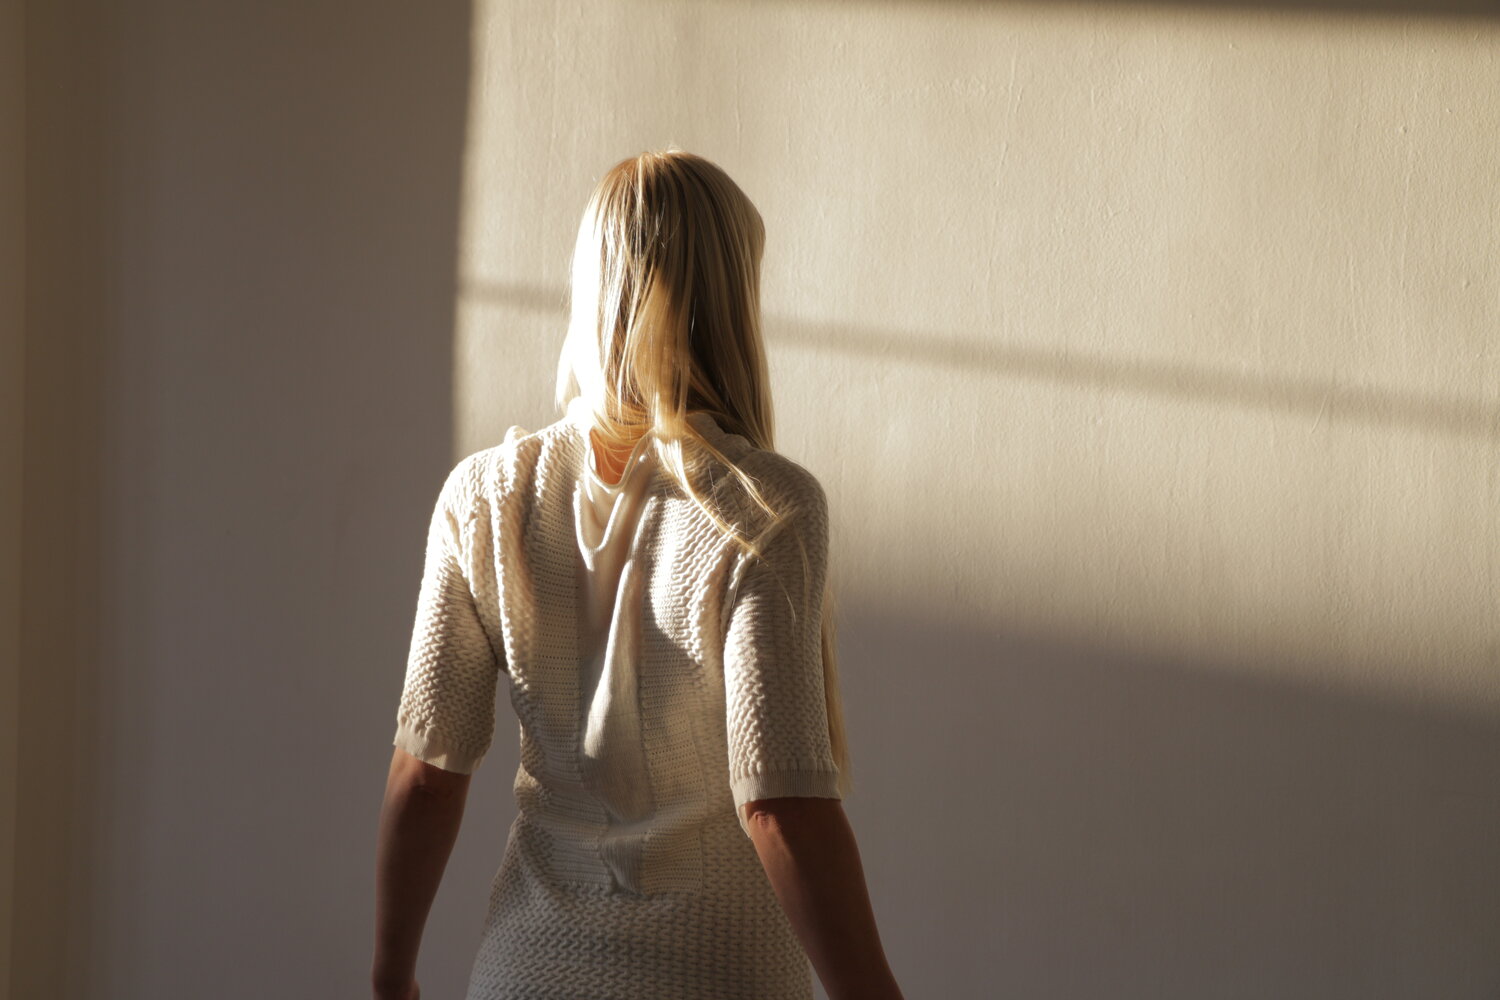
x: 662, y: 680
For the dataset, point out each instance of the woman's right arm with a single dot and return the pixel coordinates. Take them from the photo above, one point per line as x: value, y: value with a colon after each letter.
x: 808, y: 851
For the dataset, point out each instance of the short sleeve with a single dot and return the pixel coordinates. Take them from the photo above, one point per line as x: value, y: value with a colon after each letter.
x: 446, y: 715
x: 776, y: 714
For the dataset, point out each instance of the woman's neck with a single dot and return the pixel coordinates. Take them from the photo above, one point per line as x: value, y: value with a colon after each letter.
x: 610, y: 464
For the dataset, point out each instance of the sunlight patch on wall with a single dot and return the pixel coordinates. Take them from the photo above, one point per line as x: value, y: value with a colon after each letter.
x: 1168, y: 327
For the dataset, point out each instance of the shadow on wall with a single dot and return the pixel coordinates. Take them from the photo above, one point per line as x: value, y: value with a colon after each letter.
x: 1084, y: 823
x: 1320, y: 399
x: 242, y: 234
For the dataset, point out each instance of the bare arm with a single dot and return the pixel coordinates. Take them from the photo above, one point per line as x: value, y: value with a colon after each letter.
x: 808, y: 850
x: 419, y: 822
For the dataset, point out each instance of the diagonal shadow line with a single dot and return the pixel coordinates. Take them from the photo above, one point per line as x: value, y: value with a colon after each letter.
x: 1322, y: 400
x: 1452, y: 9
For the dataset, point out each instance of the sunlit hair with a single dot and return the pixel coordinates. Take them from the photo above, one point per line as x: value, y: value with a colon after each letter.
x: 665, y: 298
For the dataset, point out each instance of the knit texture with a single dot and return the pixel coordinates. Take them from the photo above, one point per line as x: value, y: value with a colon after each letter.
x: 729, y: 708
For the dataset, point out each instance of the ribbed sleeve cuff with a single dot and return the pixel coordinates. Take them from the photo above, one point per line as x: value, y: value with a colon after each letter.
x: 778, y: 784
x: 436, y: 749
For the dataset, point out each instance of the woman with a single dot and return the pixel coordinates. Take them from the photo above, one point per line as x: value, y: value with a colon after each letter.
x: 648, y: 576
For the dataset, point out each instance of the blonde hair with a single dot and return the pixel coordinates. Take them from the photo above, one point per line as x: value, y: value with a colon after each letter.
x: 665, y: 297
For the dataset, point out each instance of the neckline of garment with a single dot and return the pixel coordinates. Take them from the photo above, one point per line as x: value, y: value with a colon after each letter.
x: 637, y: 458
x: 580, y: 417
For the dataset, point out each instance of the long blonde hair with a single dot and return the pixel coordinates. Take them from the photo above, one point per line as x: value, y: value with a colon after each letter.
x: 665, y: 296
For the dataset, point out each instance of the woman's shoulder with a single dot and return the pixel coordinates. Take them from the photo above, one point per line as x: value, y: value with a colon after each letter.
x: 523, y: 455
x: 771, y: 469
x: 481, y: 475
x: 790, y: 480
x: 788, y: 486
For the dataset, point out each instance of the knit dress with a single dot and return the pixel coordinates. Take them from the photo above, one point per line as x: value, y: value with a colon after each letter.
x: 661, y: 679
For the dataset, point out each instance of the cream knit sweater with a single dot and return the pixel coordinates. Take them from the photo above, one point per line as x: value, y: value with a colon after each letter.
x: 628, y: 872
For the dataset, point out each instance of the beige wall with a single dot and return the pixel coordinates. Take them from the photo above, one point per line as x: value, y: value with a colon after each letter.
x: 1148, y: 354
x: 1146, y: 351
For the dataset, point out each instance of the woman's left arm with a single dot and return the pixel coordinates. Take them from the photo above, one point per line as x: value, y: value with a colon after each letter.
x: 419, y: 821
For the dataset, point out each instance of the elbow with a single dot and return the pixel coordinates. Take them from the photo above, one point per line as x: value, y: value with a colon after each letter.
x: 793, y: 812
x: 412, y: 776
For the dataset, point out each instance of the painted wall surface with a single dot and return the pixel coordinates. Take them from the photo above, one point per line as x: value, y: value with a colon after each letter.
x: 242, y: 249
x: 12, y: 403
x: 1147, y: 353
